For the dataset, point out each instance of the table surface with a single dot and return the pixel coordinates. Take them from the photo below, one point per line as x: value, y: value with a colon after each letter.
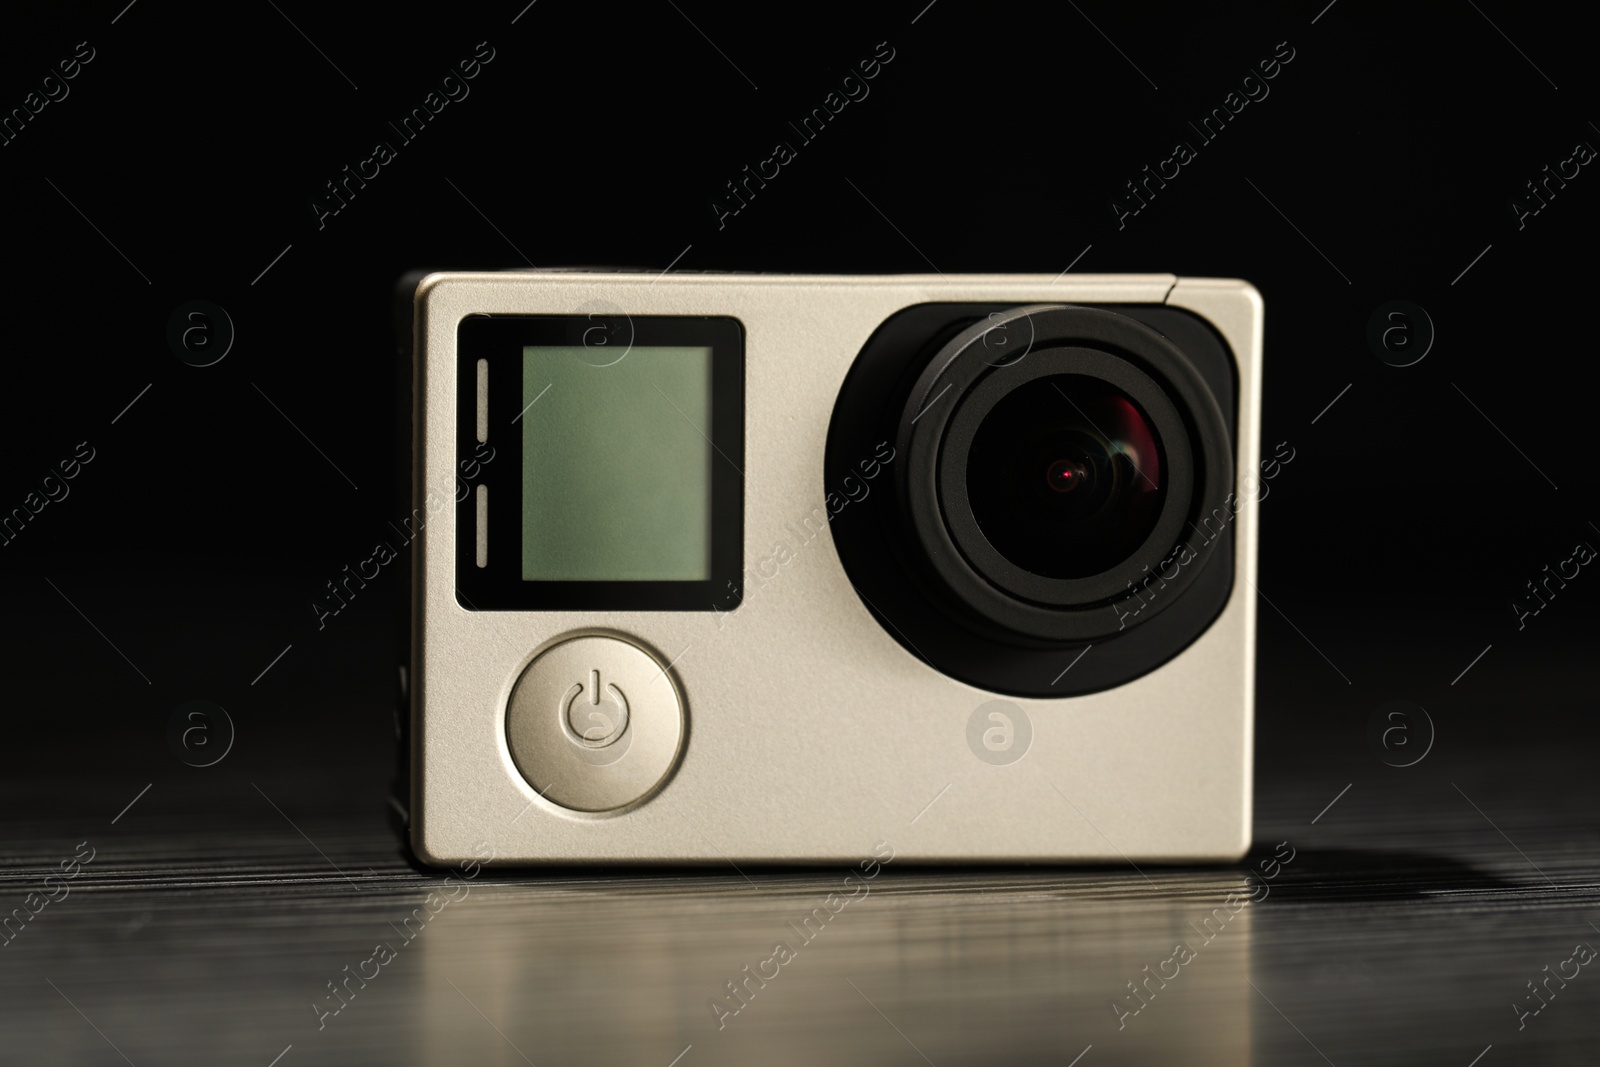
x: 1394, y: 921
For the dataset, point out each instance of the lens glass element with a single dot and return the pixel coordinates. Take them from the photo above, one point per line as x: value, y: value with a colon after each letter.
x: 1065, y: 476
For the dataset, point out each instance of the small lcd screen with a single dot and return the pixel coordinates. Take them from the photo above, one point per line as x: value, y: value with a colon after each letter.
x: 616, y: 472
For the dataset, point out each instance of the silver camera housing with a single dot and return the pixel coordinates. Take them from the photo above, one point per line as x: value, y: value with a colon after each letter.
x: 806, y: 731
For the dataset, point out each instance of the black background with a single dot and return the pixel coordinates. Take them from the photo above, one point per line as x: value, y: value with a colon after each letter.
x: 184, y: 162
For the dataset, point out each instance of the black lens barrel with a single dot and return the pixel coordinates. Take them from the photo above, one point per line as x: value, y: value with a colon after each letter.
x: 1053, y: 512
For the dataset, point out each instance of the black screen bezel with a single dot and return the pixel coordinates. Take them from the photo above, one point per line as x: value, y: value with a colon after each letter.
x: 500, y: 339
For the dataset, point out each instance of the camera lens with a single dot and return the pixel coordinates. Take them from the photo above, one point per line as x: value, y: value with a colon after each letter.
x: 1041, y: 504
x: 1065, y: 476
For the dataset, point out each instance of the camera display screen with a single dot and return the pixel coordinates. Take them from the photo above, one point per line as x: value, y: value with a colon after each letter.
x: 600, y: 461
x: 616, y: 464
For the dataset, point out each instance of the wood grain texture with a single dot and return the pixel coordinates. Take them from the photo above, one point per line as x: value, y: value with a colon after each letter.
x: 1402, y: 929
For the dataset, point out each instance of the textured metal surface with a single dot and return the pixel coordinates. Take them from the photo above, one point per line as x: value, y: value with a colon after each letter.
x: 815, y: 733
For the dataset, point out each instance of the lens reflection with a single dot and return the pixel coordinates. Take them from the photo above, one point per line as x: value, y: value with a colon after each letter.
x: 1065, y: 476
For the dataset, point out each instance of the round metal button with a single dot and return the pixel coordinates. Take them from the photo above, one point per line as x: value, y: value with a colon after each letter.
x: 595, y: 723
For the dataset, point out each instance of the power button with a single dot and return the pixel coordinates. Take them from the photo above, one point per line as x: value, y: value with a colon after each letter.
x: 595, y: 723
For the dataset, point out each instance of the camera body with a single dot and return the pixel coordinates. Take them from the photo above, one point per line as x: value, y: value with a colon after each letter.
x: 719, y: 567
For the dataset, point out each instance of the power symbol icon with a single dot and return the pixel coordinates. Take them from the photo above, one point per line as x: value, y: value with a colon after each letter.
x: 596, y: 718
x: 595, y: 723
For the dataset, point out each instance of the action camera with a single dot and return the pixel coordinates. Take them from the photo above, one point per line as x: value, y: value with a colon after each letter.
x: 776, y: 568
